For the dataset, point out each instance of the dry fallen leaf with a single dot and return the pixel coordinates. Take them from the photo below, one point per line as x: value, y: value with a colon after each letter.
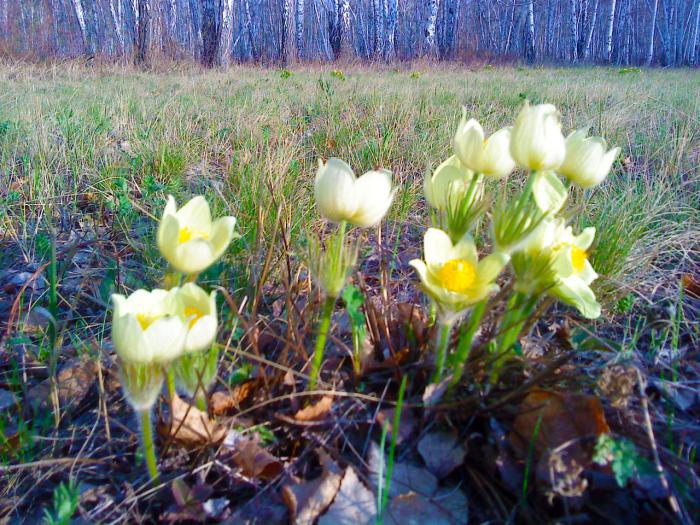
x: 353, y: 505
x: 561, y: 428
x: 306, y: 501
x: 73, y: 380
x: 253, y: 460
x: 190, y: 426
x: 691, y: 285
x: 564, y: 418
x: 441, y: 452
x: 316, y: 411
x: 223, y: 403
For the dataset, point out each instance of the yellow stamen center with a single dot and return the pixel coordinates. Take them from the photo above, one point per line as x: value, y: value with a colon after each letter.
x: 146, y: 319
x: 188, y: 234
x: 578, y: 258
x: 194, y: 313
x: 457, y: 275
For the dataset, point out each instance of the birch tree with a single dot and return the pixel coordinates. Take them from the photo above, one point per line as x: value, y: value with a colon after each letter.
x: 299, y: 27
x: 652, y: 31
x: 611, y: 26
x: 430, y: 40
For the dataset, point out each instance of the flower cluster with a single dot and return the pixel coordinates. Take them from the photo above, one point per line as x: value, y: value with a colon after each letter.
x: 528, y: 231
x: 168, y: 333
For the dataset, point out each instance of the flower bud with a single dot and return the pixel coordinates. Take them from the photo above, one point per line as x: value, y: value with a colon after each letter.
x: 490, y: 157
x: 587, y: 162
x: 536, y: 142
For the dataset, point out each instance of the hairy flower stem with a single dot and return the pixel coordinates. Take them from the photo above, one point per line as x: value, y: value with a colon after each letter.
x: 520, y: 306
x: 444, y: 329
x: 465, y: 342
x: 323, y: 328
x: 201, y: 401
x: 170, y: 382
x: 149, y: 451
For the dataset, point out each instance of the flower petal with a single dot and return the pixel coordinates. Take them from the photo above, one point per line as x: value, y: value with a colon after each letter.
x: 373, y: 190
x: 575, y: 292
x: 334, y: 190
x: 193, y: 256
x: 549, y: 192
x: 491, y: 266
x: 221, y: 235
x: 437, y: 247
x: 584, y: 239
x: 165, y: 339
x: 195, y: 214
x: 128, y: 341
x: 167, y: 236
x: 465, y: 249
x: 201, y: 334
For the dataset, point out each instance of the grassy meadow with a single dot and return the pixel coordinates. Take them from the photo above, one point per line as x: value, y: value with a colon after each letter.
x: 88, y: 156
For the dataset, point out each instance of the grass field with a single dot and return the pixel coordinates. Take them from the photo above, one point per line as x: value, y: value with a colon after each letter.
x: 89, y: 155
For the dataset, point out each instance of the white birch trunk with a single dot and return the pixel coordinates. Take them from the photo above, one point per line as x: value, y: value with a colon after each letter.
x: 430, y: 40
x: 591, y: 28
x: 652, y: 31
x: 694, y: 40
x: 226, y: 36
x: 573, y: 31
x: 531, y: 31
x: 299, y: 28
x: 80, y: 15
x: 611, y: 26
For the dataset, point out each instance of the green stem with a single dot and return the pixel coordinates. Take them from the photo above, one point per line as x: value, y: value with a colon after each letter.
x: 149, y: 451
x: 392, y: 446
x: 443, y: 341
x: 356, y: 345
x: 321, y: 340
x: 520, y: 307
x: 170, y: 382
x: 465, y: 342
x: 201, y: 401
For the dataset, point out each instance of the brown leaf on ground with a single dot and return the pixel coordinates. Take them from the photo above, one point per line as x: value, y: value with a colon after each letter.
x: 253, y: 460
x: 564, y: 418
x: 691, y: 285
x: 190, y: 426
x: 316, y: 411
x: 353, y: 505
x: 562, y: 429
x: 224, y: 403
x: 73, y: 381
x: 306, y: 501
x: 441, y: 452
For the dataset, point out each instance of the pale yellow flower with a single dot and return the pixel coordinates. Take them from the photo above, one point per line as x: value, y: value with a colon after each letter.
x: 197, y: 309
x: 188, y: 238
x: 568, y: 256
x: 536, y: 141
x: 340, y: 196
x: 145, y: 327
x: 450, y: 179
x: 588, y: 161
x: 452, y: 275
x: 488, y: 156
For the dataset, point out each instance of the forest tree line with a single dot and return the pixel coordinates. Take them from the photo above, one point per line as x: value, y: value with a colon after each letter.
x: 218, y: 32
